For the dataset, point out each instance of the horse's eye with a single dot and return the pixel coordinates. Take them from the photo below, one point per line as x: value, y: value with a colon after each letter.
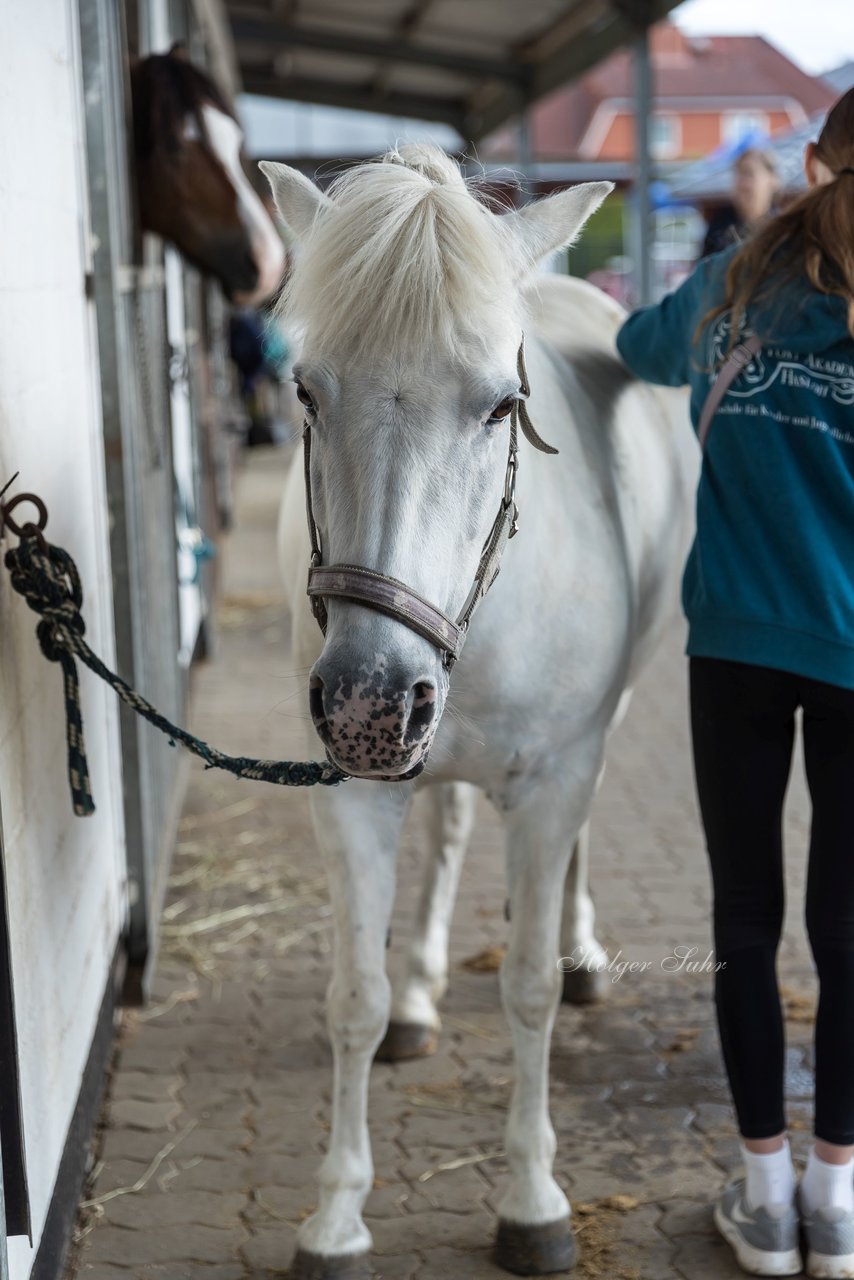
x: 502, y: 410
x: 304, y: 397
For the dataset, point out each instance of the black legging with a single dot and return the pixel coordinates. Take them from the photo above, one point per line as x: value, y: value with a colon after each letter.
x: 743, y: 722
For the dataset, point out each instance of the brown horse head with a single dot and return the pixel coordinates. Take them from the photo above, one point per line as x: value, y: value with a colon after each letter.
x: 191, y: 185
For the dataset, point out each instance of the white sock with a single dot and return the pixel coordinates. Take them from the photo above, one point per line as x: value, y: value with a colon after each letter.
x: 770, y: 1178
x: 827, y: 1186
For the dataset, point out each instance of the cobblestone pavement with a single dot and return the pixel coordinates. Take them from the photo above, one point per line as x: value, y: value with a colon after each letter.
x: 219, y: 1103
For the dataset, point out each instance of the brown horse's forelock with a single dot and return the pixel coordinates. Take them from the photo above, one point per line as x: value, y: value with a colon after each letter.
x: 167, y: 90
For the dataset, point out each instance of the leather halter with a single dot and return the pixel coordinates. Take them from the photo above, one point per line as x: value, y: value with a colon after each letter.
x: 394, y: 598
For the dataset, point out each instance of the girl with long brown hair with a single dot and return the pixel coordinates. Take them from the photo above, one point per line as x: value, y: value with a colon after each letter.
x: 768, y: 591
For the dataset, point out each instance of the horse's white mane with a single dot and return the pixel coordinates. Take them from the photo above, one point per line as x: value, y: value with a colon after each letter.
x: 405, y: 258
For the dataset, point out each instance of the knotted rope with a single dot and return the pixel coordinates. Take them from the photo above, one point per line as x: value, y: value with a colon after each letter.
x: 47, y: 578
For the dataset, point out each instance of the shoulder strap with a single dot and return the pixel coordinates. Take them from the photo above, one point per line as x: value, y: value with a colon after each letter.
x: 738, y: 359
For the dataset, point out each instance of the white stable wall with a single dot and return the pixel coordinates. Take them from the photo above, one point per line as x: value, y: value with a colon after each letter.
x: 66, y: 875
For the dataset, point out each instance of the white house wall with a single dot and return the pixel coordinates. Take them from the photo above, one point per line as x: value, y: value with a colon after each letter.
x: 65, y: 875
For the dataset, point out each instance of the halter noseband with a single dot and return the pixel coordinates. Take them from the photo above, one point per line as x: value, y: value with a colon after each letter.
x: 394, y: 598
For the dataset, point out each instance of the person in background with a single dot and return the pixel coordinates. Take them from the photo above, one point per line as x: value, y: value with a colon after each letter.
x: 258, y: 349
x: 755, y: 187
x: 768, y: 590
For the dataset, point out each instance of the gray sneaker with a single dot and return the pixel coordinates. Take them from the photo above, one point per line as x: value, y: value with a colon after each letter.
x: 830, y: 1243
x: 765, y: 1244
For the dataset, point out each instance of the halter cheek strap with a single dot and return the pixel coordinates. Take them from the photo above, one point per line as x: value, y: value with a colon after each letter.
x: 394, y: 598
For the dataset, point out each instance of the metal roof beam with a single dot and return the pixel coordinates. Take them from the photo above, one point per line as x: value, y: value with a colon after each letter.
x: 638, y: 13
x: 566, y: 63
x: 280, y: 35
x: 355, y: 97
x: 405, y: 28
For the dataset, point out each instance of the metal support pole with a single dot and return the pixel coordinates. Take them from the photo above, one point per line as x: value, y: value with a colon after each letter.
x: 643, y: 172
x: 525, y: 154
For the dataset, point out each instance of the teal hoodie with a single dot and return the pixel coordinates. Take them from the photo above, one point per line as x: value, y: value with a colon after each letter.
x: 770, y: 576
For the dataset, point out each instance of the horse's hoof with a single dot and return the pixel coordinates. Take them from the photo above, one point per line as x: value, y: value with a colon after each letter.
x: 535, y: 1250
x: 407, y: 1040
x: 585, y: 986
x: 320, y: 1266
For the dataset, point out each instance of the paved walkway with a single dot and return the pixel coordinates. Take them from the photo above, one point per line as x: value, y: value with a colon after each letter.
x: 219, y: 1104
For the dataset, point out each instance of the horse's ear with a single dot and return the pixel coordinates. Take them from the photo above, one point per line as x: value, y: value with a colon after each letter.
x: 297, y: 198
x: 554, y: 222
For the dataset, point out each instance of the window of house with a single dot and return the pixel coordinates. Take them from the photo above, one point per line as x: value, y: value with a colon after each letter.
x: 737, y: 125
x: 665, y: 137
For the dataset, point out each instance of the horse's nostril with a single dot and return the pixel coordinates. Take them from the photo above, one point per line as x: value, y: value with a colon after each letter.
x: 315, y: 699
x: 422, y: 709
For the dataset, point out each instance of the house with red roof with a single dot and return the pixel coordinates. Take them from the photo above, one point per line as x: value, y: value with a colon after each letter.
x: 708, y: 91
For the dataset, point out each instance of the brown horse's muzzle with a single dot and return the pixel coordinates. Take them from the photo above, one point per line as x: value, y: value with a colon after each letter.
x: 230, y: 258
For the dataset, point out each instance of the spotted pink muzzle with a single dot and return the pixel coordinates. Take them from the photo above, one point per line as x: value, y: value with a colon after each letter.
x: 371, y: 731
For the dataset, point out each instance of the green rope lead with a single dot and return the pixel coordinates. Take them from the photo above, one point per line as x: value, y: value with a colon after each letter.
x: 47, y: 578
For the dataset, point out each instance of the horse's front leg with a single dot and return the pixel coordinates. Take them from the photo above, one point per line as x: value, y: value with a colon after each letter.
x: 358, y: 828
x: 415, y: 1023
x: 534, y: 1234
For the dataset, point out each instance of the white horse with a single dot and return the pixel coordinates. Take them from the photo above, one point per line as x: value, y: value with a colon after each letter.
x: 412, y: 298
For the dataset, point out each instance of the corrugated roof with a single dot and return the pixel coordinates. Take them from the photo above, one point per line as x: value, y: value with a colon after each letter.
x: 841, y: 79
x: 471, y: 64
x: 711, y: 177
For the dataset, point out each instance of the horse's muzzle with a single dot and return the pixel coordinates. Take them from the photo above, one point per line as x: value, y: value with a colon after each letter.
x: 371, y: 730
x: 232, y: 261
